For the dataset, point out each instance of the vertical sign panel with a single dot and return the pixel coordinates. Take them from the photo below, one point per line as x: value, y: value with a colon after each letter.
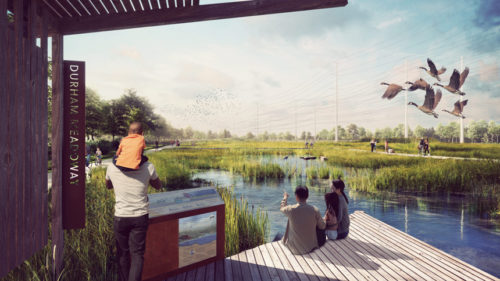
x: 73, y: 193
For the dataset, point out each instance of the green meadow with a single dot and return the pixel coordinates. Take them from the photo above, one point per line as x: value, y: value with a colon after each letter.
x: 90, y: 252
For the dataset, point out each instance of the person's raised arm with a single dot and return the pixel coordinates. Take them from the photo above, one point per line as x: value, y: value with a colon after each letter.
x: 284, y: 208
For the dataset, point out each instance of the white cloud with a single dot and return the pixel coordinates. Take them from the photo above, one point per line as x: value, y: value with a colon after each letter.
x: 388, y: 23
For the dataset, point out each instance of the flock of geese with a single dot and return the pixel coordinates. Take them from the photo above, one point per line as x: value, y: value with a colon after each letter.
x: 432, y: 98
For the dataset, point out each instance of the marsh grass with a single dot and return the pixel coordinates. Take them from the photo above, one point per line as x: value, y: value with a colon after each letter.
x: 245, y: 228
x: 89, y: 253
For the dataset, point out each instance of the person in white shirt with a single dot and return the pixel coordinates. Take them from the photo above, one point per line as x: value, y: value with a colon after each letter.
x: 131, y: 216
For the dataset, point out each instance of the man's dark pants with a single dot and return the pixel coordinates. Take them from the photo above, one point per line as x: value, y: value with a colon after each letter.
x: 130, y: 234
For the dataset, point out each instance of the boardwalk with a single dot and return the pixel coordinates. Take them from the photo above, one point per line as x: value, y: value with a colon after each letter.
x: 373, y: 251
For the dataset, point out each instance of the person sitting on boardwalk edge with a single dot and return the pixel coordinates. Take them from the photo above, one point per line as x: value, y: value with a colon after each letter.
x: 342, y: 214
x: 303, y: 219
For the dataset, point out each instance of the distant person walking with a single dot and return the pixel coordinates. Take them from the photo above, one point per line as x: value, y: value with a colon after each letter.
x: 156, y: 145
x: 307, y: 145
x: 386, y: 146
x: 372, y: 144
x: 98, y: 154
x: 421, y: 146
x: 427, y: 147
x: 131, y: 216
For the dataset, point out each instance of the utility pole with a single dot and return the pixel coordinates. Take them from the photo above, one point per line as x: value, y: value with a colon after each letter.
x: 296, y: 139
x: 406, y: 102
x: 257, y: 136
x: 315, y: 133
x: 461, y: 98
x: 337, y: 101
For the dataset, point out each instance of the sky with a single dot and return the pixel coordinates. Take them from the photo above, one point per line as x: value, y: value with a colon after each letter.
x: 282, y: 72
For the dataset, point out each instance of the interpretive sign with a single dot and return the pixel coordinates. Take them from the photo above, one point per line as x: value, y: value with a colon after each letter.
x: 165, y: 203
x: 73, y: 162
x: 186, y: 230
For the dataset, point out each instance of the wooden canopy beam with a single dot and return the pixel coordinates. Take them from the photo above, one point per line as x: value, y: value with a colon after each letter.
x: 78, y: 25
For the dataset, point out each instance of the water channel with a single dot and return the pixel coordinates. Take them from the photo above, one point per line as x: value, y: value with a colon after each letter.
x: 445, y: 222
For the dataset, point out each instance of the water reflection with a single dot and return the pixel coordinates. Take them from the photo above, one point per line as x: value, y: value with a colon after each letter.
x: 433, y: 219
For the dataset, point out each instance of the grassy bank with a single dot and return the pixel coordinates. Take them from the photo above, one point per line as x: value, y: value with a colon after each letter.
x: 89, y: 254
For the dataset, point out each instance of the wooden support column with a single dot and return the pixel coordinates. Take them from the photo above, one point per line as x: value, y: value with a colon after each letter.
x: 57, y: 130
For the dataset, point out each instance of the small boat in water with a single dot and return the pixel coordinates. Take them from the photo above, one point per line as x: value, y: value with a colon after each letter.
x: 308, y: 157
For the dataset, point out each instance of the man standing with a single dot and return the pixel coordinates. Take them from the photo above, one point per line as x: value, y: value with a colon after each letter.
x: 131, y: 216
x: 300, y: 236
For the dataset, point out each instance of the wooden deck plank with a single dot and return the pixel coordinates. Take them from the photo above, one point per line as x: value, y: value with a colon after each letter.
x: 210, y: 272
x: 402, y: 257
x: 314, y: 272
x: 228, y: 272
x: 373, y: 251
x: 332, y: 267
x: 455, y: 263
x: 261, y: 265
x: 235, y: 266
x: 282, y: 265
x: 341, y: 266
x: 321, y: 265
x: 272, y: 267
x: 364, y: 263
x: 191, y: 275
x: 254, y: 270
x: 427, y: 266
x: 347, y: 262
x: 200, y: 273
x: 388, y: 255
x: 292, y: 269
x: 285, y: 253
x: 432, y: 265
x: 181, y: 277
x: 245, y: 268
x: 383, y: 258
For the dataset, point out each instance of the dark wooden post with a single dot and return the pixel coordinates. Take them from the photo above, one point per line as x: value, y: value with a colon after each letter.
x: 57, y: 129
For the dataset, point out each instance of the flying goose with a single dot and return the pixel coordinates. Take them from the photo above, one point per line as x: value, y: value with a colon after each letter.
x: 456, y: 82
x: 430, y: 103
x: 459, y: 107
x: 433, y: 70
x: 392, y: 90
x: 419, y: 84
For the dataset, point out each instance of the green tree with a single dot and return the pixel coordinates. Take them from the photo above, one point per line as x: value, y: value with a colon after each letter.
x: 477, y: 130
x: 250, y: 136
x: 116, y: 118
x: 493, y: 131
x: 352, y: 132
x: 139, y: 110
x: 94, y: 114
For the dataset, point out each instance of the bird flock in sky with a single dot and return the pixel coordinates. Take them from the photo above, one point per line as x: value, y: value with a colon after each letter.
x: 432, y: 97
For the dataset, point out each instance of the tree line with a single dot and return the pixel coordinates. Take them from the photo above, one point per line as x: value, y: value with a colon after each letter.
x: 112, y: 117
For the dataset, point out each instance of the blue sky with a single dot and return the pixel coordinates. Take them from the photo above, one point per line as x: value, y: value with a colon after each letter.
x: 263, y: 73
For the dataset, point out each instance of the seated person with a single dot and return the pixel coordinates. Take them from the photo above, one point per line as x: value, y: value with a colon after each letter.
x: 129, y: 154
x: 303, y: 219
x: 332, y: 208
x: 343, y: 220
